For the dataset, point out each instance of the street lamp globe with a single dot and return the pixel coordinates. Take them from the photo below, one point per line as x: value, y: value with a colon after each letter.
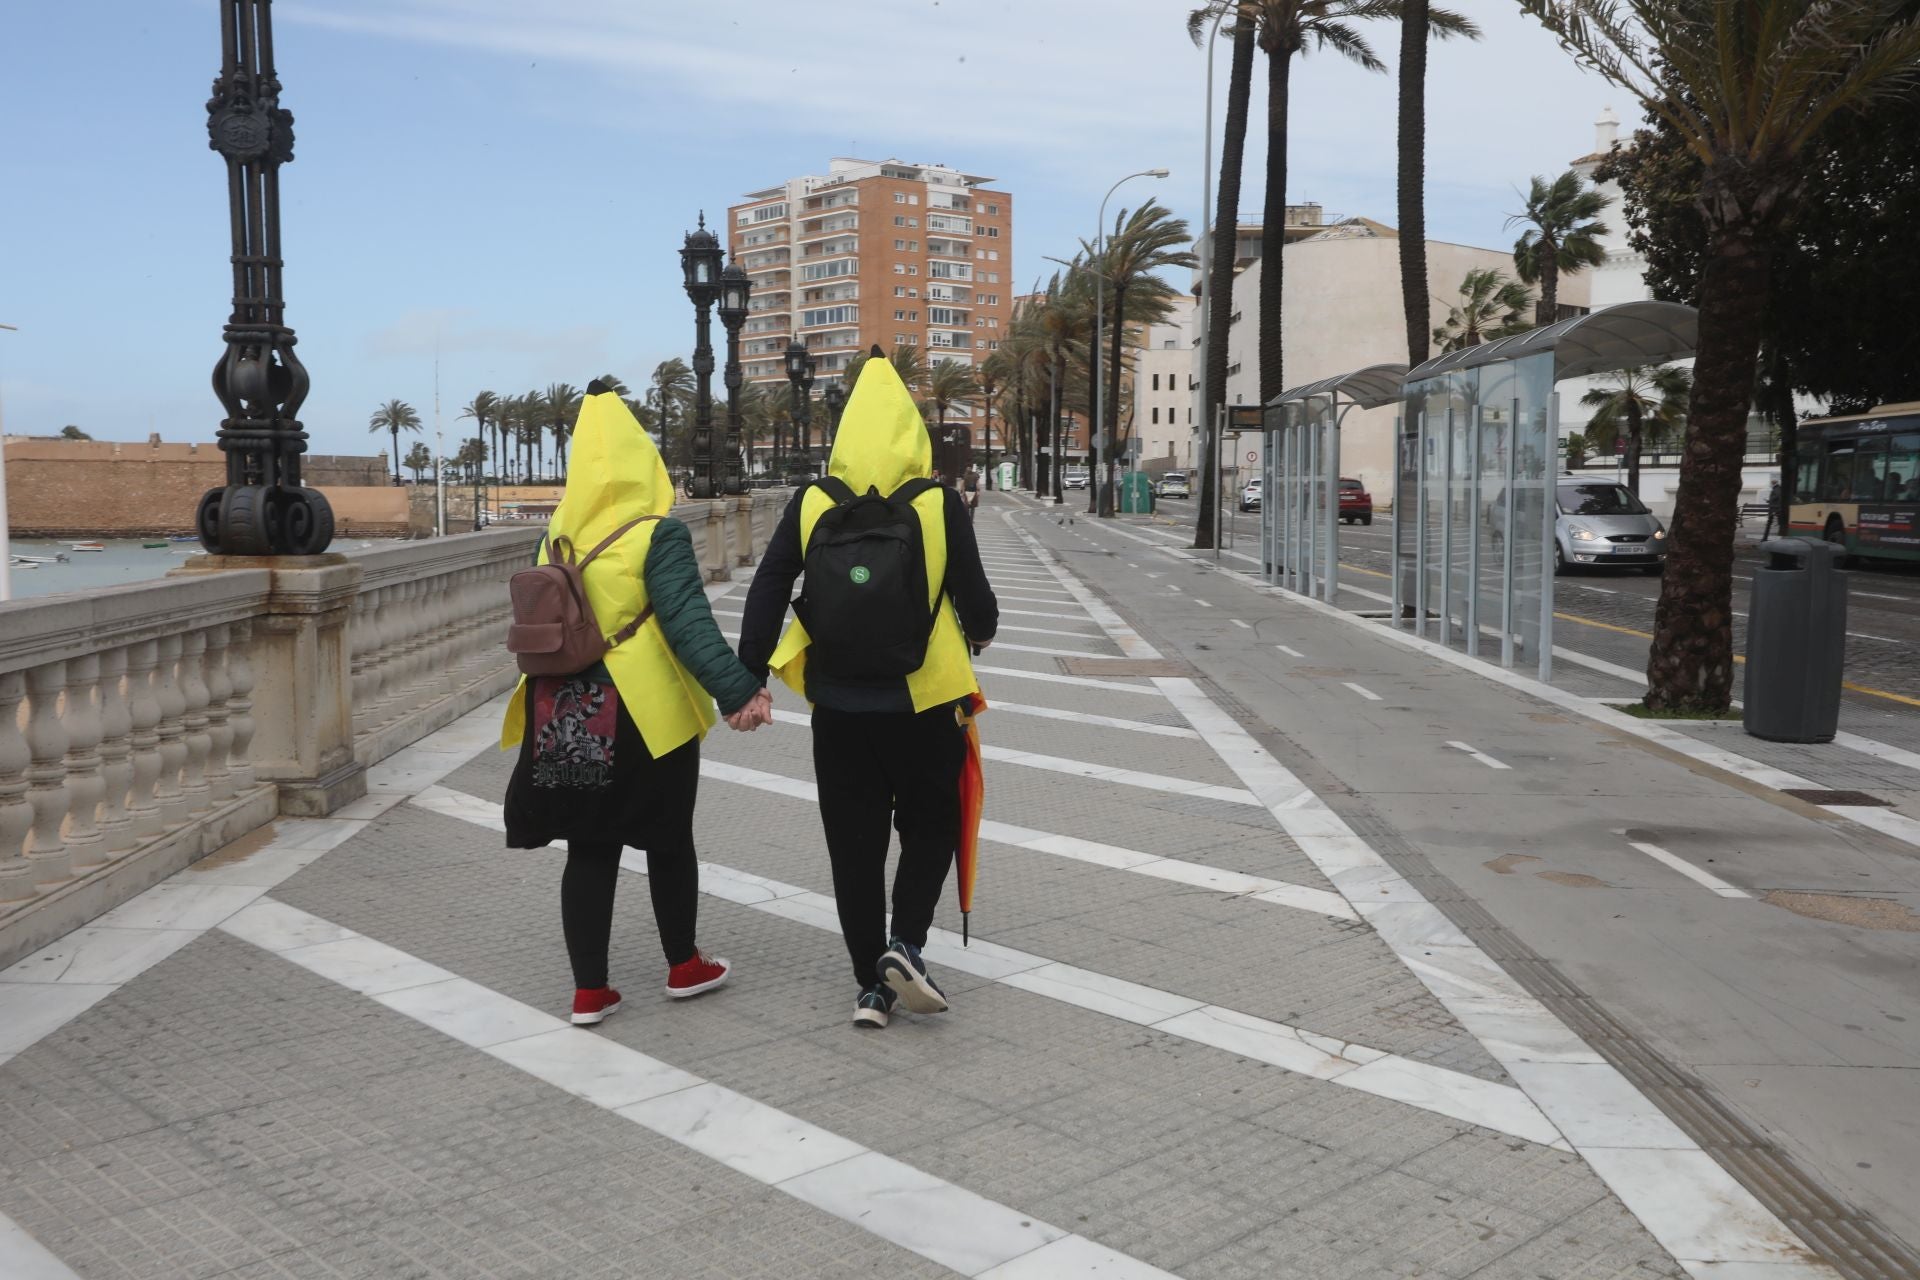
x: 700, y: 258
x: 806, y: 372
x: 796, y: 361
x: 735, y: 288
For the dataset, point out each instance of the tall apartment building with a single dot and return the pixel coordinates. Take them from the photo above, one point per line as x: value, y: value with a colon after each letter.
x: 1163, y: 388
x: 872, y: 252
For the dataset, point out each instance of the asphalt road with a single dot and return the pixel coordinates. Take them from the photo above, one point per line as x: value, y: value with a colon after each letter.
x: 1608, y: 615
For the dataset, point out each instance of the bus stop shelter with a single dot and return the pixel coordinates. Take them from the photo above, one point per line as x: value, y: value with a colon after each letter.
x: 1477, y: 456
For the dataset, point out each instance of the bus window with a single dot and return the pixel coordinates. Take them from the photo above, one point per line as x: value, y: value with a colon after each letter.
x: 1806, y: 484
x: 1903, y: 469
x: 1837, y: 483
x: 1870, y: 469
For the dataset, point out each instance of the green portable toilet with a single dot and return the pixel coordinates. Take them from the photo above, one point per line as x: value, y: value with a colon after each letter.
x: 1136, y: 494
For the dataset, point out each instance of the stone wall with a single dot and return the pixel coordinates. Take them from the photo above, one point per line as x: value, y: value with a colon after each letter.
x: 103, y: 488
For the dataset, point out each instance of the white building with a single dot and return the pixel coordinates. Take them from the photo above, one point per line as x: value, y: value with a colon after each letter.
x: 1162, y: 389
x: 1343, y: 312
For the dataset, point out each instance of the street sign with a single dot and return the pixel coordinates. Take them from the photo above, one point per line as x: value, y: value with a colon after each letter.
x: 1252, y: 456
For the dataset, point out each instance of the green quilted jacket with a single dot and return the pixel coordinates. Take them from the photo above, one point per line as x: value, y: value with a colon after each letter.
x: 677, y: 589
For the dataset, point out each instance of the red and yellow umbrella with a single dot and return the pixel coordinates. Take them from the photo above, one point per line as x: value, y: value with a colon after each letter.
x: 973, y: 798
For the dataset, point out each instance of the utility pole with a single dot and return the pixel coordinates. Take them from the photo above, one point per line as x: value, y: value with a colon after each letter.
x: 439, y: 453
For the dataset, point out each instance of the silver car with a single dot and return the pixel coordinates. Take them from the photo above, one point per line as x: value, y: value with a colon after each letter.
x: 1599, y: 522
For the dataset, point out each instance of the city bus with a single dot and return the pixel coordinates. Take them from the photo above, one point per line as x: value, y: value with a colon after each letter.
x: 1857, y: 482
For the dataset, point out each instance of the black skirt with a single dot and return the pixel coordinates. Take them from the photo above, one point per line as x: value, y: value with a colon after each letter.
x: 584, y: 772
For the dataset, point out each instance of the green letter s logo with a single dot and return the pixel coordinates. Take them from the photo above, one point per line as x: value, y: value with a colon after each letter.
x: 860, y: 574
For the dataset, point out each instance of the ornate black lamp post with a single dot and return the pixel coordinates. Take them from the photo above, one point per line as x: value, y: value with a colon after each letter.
x: 263, y: 509
x: 700, y: 259
x: 836, y: 397
x: 735, y: 289
x: 800, y: 378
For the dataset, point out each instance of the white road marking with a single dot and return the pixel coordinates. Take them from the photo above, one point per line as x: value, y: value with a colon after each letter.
x: 1871, y: 595
x: 1204, y: 604
x: 1481, y: 756
x: 1362, y: 690
x: 1879, y: 750
x: 936, y: 1219
x: 1042, y: 613
x: 1687, y: 869
x: 1008, y: 646
x: 1290, y: 651
x: 1103, y: 722
x: 1048, y: 677
x: 1236, y: 622
x: 1048, y: 631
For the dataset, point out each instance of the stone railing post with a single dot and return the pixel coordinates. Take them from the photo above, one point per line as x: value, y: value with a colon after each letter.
x: 16, y: 814
x: 143, y: 711
x: 173, y: 728
x: 219, y: 715
x: 742, y: 519
x: 47, y: 774
x: 240, y: 705
x: 86, y: 847
x: 199, y: 744
x: 116, y: 753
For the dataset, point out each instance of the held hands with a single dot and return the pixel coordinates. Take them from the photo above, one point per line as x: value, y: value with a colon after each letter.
x: 758, y: 711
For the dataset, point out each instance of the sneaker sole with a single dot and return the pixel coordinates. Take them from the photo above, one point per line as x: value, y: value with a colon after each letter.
x: 593, y: 1019
x: 685, y: 993
x: 914, y: 991
x: 869, y: 1019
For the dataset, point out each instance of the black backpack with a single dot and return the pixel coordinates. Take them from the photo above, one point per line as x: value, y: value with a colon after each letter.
x: 864, y: 603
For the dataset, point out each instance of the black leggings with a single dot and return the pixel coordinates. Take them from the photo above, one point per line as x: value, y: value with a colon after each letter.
x: 673, y: 873
x: 879, y: 772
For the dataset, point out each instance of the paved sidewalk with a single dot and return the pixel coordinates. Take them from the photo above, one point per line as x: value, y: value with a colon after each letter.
x: 1205, y: 1027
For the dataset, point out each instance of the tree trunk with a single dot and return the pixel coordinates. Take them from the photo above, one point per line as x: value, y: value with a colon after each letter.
x: 1633, y: 445
x: 1549, y: 302
x: 396, y: 455
x: 1057, y: 394
x: 1219, y: 286
x: 1690, y: 666
x: 1787, y: 419
x: 1273, y: 229
x: 1413, y: 179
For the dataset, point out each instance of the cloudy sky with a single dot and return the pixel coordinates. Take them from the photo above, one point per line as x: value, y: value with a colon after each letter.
x: 508, y: 180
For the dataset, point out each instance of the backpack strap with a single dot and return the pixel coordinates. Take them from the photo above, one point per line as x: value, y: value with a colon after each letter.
x: 835, y: 488
x: 625, y: 633
x: 614, y: 537
x: 913, y: 489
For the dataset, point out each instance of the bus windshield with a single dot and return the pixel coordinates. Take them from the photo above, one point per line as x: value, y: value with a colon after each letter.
x: 1599, y: 500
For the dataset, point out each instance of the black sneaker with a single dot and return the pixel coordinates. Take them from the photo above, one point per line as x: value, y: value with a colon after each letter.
x: 870, y: 1012
x: 902, y: 970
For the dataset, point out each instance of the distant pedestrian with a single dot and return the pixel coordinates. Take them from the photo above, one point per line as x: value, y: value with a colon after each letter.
x: 895, y: 590
x: 1774, y: 512
x: 610, y: 755
x: 971, y: 487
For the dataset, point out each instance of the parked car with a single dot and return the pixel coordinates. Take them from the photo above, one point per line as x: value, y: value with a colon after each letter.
x: 1599, y: 522
x: 1250, y: 496
x: 1074, y: 478
x: 1174, y: 485
x: 1355, y: 502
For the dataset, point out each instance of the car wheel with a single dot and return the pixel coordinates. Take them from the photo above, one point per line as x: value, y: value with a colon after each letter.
x: 1366, y: 520
x: 1559, y: 561
x: 1653, y: 570
x: 1836, y: 533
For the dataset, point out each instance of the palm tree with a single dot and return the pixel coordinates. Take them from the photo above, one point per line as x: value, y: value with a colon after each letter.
x: 1649, y: 393
x: 394, y: 416
x: 1289, y: 28
x: 1218, y: 290
x: 1142, y: 245
x: 670, y: 389
x: 418, y: 459
x: 906, y: 362
x: 533, y: 426
x: 1416, y: 28
x: 562, y: 401
x: 614, y: 384
x: 949, y: 383
x: 1563, y: 234
x: 482, y: 409
x: 1062, y: 320
x: 1747, y: 87
x: 1490, y: 306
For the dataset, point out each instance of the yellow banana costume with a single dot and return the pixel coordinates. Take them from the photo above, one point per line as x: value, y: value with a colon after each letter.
x: 882, y: 444
x: 615, y: 474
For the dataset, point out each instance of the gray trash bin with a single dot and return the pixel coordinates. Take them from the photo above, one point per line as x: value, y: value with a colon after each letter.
x: 1796, y: 642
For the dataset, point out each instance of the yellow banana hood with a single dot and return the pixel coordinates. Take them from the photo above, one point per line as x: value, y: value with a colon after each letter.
x: 614, y: 474
x: 883, y: 441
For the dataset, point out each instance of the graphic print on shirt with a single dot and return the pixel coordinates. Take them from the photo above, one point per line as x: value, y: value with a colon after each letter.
x: 573, y: 724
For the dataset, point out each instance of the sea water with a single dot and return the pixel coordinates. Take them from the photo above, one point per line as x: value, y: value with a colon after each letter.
x: 124, y: 561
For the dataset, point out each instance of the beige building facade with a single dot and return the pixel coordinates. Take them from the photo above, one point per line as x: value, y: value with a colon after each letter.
x: 1343, y: 312
x: 886, y: 252
x: 1163, y: 373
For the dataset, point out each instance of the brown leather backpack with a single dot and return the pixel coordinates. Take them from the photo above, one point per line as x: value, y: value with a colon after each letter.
x: 554, y: 632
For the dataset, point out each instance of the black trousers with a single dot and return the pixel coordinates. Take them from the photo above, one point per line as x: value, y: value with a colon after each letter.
x: 665, y: 831
x: 881, y: 771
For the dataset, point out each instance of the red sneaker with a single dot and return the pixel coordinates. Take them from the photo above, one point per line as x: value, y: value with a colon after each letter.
x: 593, y: 1004
x: 701, y: 973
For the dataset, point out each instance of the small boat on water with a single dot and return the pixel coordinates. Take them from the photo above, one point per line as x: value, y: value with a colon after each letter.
x: 154, y: 546
x: 184, y: 537
x: 15, y: 562
x: 20, y: 558
x: 86, y: 546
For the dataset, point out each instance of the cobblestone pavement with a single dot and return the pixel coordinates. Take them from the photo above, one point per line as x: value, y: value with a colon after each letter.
x: 1201, y: 1031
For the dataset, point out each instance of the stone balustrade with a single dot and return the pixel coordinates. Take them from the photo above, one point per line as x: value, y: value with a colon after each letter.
x: 143, y: 727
